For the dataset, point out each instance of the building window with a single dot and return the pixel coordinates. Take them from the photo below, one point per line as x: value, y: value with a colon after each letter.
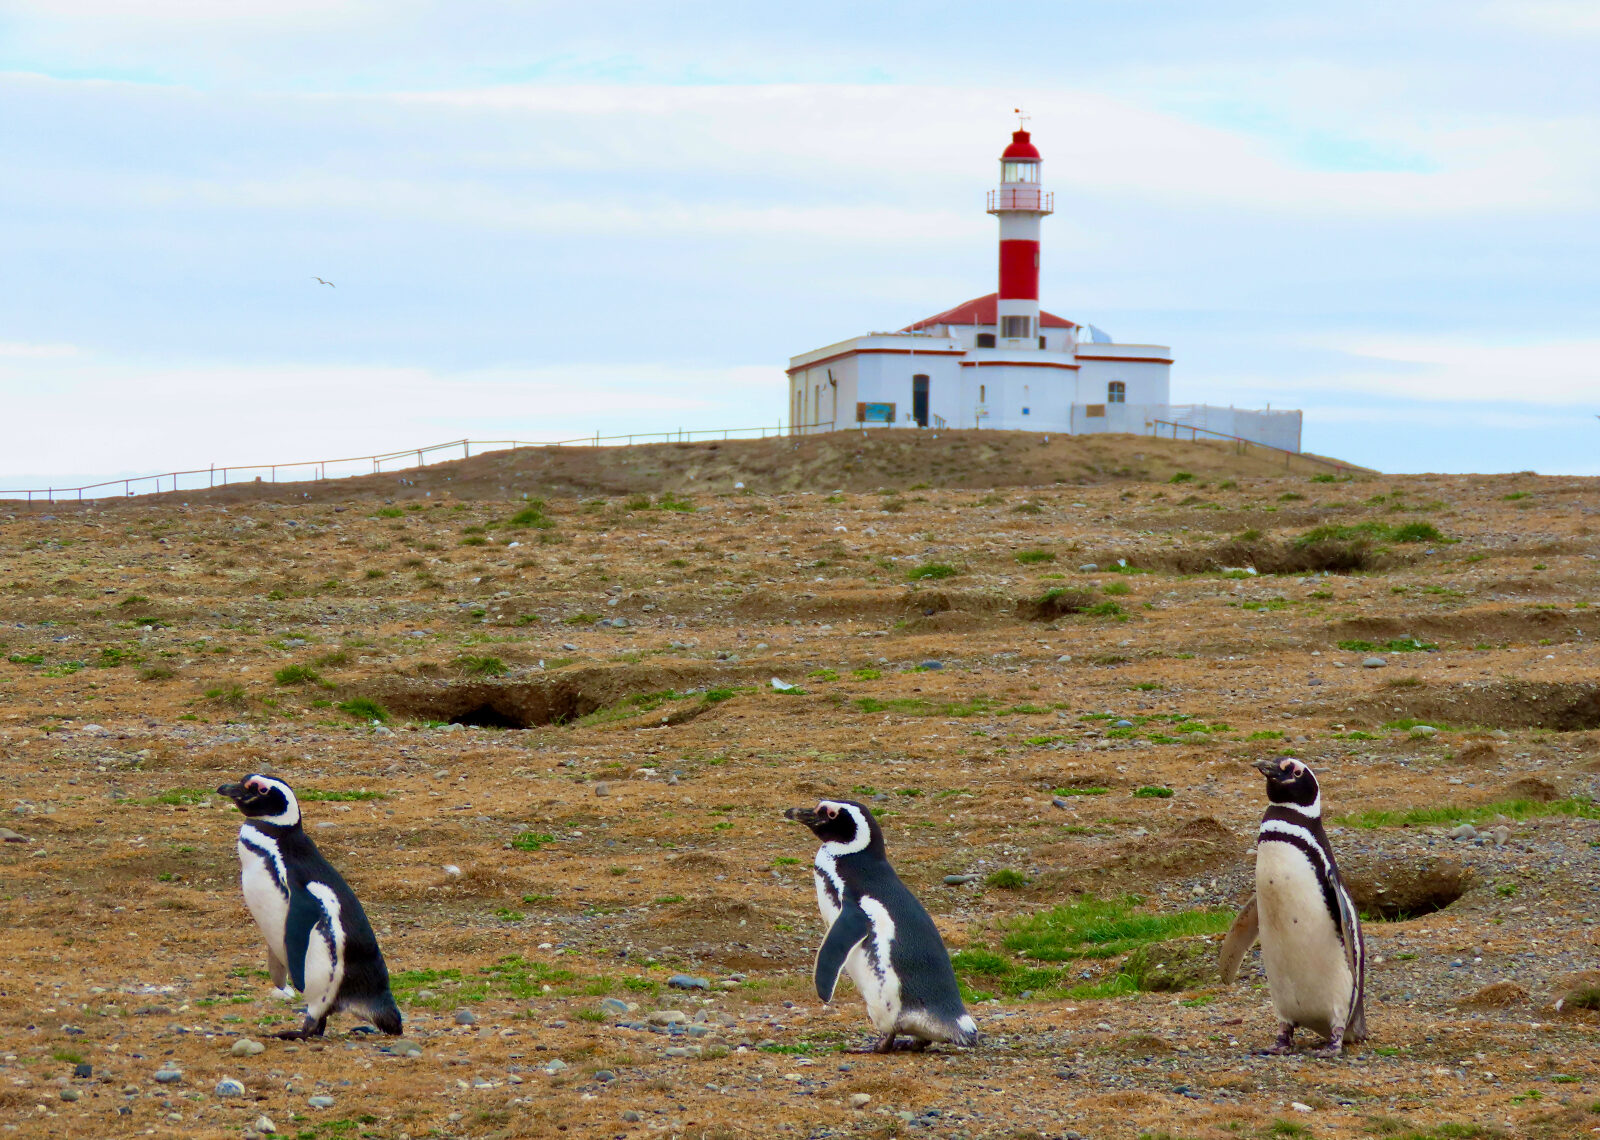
x: 1016, y: 326
x: 1041, y: 342
x: 986, y: 340
x: 1116, y: 392
x: 1019, y: 172
x: 983, y: 393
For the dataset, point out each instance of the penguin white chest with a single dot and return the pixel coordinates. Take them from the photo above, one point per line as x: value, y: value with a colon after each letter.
x: 873, y: 973
x: 264, y: 878
x: 1304, y: 960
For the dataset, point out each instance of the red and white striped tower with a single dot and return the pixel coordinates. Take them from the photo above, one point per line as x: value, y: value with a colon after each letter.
x: 1021, y: 205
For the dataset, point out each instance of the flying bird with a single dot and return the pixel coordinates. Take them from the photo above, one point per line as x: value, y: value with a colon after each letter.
x: 329, y: 284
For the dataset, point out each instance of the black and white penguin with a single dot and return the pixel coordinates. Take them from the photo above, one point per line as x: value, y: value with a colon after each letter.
x: 880, y: 934
x: 1311, y: 946
x: 318, y: 937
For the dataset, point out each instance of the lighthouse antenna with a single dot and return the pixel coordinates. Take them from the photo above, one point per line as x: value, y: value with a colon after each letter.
x: 1022, y: 117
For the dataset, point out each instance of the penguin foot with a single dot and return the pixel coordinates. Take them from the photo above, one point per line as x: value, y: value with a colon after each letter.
x: 1334, y: 1048
x: 1285, y: 1042
x: 314, y: 1027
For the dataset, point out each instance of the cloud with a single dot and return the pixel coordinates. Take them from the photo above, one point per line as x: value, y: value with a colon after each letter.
x: 158, y: 417
x: 1463, y: 370
x: 14, y: 351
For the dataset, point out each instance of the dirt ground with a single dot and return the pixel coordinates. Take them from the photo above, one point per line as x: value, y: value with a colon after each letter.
x: 545, y: 745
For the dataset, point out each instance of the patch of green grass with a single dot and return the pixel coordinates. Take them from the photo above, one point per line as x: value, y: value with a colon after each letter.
x: 823, y: 675
x: 1118, y: 588
x: 388, y: 513
x: 297, y: 675
x: 1393, y: 645
x: 1181, y: 477
x: 335, y: 796
x: 332, y: 660
x: 1104, y: 609
x: 531, y: 515
x: 932, y: 571
x: 26, y: 658
x: 1081, y: 791
x: 1416, y: 532
x: 480, y: 666
x: 1453, y: 813
x: 1104, y: 928
x: 917, y: 706
x: 364, y: 708
x: 1006, y: 879
x: 1033, y: 557
x: 175, y: 797
x: 1153, y: 792
x: 1266, y: 734
x: 581, y: 619
x: 506, y: 914
x: 232, y: 695
x: 866, y: 674
x: 64, y: 669
x: 531, y: 840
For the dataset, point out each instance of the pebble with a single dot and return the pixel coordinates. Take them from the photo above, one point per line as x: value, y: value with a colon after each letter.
x: 1057, y: 801
x: 686, y: 982
x: 667, y: 1017
x: 1423, y: 731
x: 405, y: 1048
x: 9, y: 836
x: 1088, y: 568
x: 264, y: 1124
x: 452, y: 870
x: 247, y: 1047
x: 1464, y: 831
x: 169, y: 1076
x: 1123, y: 724
x: 932, y: 665
x: 227, y: 1086
x: 1373, y: 663
x: 605, y: 1076
x: 1298, y: 1107
x: 860, y: 1100
x: 555, y: 1066
x: 602, y: 789
x: 958, y: 880
x: 614, y: 1005
x: 69, y: 1093
x: 84, y: 1070
x: 466, y: 1017
x: 320, y: 1101
x: 630, y: 1117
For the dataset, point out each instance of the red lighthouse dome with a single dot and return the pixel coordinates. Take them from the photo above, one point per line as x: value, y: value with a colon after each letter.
x: 1020, y: 147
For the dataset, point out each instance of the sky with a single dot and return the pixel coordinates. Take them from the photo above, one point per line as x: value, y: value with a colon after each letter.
x: 545, y: 220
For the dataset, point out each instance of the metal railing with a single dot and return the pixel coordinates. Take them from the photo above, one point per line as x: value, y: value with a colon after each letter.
x: 204, y: 478
x: 1241, y: 443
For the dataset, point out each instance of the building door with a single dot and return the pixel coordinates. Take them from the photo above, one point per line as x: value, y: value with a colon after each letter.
x: 919, y: 400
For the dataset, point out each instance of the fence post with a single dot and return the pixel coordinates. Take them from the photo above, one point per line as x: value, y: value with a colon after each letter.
x: 212, y: 481
x: 466, y: 449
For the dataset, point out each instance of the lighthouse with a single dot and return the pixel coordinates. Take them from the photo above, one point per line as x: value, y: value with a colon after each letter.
x: 1001, y: 363
x: 1021, y: 204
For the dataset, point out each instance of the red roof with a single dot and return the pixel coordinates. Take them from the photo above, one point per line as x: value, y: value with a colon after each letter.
x: 1020, y: 147
x: 984, y: 311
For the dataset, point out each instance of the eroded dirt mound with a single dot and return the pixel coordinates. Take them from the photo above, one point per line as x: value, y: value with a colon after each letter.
x: 1400, y: 891
x: 1562, y: 706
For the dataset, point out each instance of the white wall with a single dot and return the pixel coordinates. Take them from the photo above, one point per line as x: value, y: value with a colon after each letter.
x: 1144, y: 382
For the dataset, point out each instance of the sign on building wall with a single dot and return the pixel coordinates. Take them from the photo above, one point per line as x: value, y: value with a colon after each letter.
x: 874, y: 413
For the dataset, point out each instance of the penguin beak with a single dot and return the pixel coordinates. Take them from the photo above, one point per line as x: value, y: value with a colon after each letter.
x: 807, y: 816
x: 234, y: 792
x: 1267, y: 768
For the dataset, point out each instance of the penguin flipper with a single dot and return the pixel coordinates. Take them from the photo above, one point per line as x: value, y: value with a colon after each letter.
x: 1241, y: 936
x: 304, y: 914
x: 848, y: 931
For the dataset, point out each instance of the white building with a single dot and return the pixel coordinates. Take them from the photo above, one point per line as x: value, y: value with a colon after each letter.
x: 1001, y: 362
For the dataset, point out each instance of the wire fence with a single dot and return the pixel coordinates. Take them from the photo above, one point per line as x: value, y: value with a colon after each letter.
x: 1176, y: 431
x: 320, y: 470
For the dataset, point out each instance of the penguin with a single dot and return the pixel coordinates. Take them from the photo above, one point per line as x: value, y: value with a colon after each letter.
x: 1311, y: 947
x: 318, y: 937
x: 880, y: 934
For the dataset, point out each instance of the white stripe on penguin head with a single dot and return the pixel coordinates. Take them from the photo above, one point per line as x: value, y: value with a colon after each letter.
x: 290, y: 815
x: 863, y: 831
